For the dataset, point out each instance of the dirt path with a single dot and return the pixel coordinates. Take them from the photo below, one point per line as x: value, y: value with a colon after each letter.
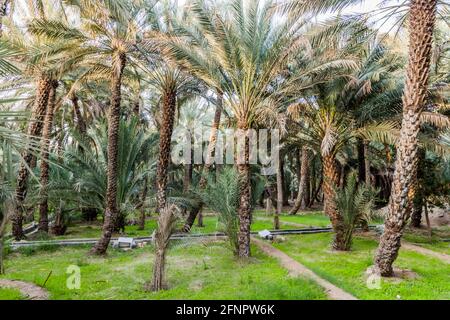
x: 28, y: 290
x: 410, y: 246
x: 441, y: 256
x: 288, y: 223
x: 297, y: 269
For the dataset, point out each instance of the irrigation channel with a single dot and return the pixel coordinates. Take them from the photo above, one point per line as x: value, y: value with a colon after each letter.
x: 178, y: 236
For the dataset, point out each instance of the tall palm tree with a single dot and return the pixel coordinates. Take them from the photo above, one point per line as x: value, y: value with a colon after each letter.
x: 251, y: 55
x: 45, y: 150
x: 422, y: 15
x: 303, y: 189
x: 43, y: 89
x: 118, y: 24
x: 41, y: 61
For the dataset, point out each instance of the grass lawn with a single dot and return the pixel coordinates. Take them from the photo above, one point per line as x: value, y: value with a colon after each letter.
x: 10, y: 294
x: 308, y: 219
x: 211, y: 225
x: 346, y: 269
x: 421, y: 237
x: 195, y: 271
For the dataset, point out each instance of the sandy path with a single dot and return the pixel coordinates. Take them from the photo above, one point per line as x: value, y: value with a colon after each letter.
x: 29, y: 290
x: 409, y: 246
x: 441, y: 256
x: 297, y: 269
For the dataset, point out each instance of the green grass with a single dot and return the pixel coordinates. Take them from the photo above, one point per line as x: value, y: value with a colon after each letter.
x: 195, y: 271
x: 346, y: 269
x: 421, y: 238
x: 310, y: 220
x: 10, y: 294
x: 307, y: 219
x: 93, y: 230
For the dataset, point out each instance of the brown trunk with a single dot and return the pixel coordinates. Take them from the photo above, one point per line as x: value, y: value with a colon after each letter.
x: 168, y: 116
x: 284, y: 189
x: 45, y: 150
x: 59, y: 227
x: 303, y: 189
x: 244, y: 211
x: 141, y: 208
x: 276, y: 218
x: 3, y: 223
x: 330, y: 181
x: 81, y: 125
x: 166, y: 222
x: 427, y: 218
x: 416, y: 216
x: 210, y: 155
x: 158, y: 279
x: 367, y: 175
x: 34, y: 130
x: 111, y: 212
x: 421, y: 28
x: 137, y: 108
x: 268, y: 206
x: 2, y: 267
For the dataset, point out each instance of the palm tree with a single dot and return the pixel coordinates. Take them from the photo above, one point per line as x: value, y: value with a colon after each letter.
x: 421, y: 26
x: 422, y: 16
x: 117, y: 23
x: 12, y: 143
x: 46, y: 136
x: 248, y: 70
x: 34, y: 130
x: 40, y: 61
x: 355, y: 203
x: 303, y: 189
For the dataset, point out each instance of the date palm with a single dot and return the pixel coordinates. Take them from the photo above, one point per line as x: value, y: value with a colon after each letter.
x: 117, y: 24
x: 421, y: 26
x: 421, y: 22
x: 39, y: 62
x: 252, y: 54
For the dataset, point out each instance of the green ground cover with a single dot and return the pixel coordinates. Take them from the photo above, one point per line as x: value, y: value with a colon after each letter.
x: 347, y: 269
x: 195, y: 271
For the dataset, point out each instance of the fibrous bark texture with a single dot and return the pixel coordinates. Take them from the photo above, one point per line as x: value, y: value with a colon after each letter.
x: 421, y: 26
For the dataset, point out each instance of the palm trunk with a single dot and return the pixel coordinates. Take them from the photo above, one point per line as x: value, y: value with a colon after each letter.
x: 111, y: 212
x: 367, y: 175
x: 137, y: 107
x: 361, y: 160
x: 3, y: 223
x: 303, y: 188
x: 284, y: 189
x: 34, y: 130
x: 276, y: 218
x: 59, y: 226
x: 141, y: 225
x: 168, y: 116
x: 427, y: 218
x: 210, y: 155
x: 158, y: 279
x: 330, y: 182
x: 421, y: 28
x: 244, y: 211
x: 81, y: 125
x: 45, y: 150
x: 2, y: 267
x: 416, y: 216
